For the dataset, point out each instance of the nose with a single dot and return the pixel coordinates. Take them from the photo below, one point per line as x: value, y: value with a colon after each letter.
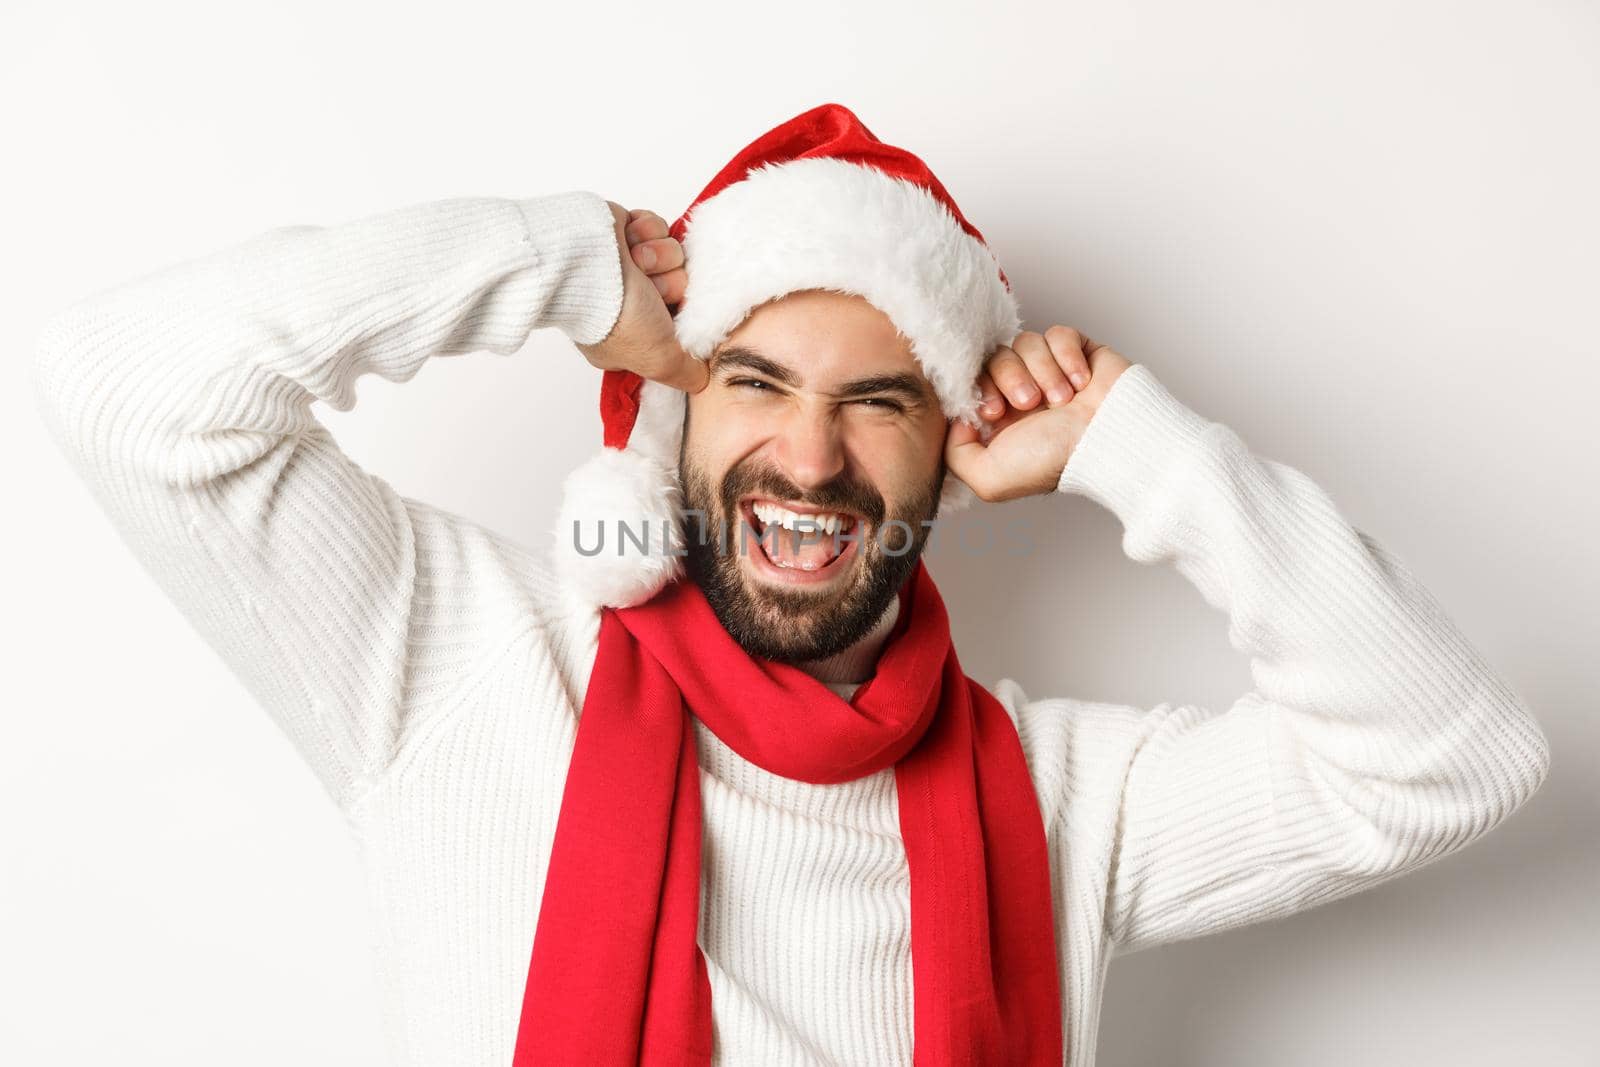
x: 810, y: 448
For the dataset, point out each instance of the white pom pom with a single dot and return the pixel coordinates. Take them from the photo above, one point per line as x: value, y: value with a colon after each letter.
x: 610, y: 504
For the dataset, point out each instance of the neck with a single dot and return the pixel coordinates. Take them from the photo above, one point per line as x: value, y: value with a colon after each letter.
x: 845, y: 670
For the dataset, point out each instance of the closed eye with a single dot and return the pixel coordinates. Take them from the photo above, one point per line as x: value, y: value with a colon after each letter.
x: 871, y: 401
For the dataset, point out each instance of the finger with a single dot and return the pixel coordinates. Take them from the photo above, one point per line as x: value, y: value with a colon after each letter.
x: 1013, y: 379
x: 961, y: 432
x: 965, y: 455
x: 1041, y: 362
x: 657, y: 256
x: 644, y: 212
x: 671, y: 285
x: 1096, y: 353
x: 1070, y: 349
x: 689, y: 374
x: 993, y: 405
x: 645, y: 226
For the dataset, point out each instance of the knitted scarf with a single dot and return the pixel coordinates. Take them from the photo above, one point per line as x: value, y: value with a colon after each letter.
x: 616, y: 977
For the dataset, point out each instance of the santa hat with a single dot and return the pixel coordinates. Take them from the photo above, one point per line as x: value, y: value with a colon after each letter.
x: 817, y: 202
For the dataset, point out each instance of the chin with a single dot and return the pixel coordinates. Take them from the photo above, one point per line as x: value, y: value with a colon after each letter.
x: 790, y: 623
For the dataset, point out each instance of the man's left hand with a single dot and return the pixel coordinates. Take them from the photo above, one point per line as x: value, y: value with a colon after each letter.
x: 1039, y: 393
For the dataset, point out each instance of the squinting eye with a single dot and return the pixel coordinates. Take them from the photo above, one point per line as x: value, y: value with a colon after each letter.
x: 765, y: 387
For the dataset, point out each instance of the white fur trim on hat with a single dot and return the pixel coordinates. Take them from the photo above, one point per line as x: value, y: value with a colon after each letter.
x: 825, y: 223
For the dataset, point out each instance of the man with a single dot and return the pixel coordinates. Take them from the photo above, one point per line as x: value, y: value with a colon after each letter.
x: 737, y: 801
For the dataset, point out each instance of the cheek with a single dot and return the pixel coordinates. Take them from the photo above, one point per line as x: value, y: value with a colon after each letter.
x: 714, y: 421
x: 920, y: 447
x: 715, y: 441
x: 901, y: 461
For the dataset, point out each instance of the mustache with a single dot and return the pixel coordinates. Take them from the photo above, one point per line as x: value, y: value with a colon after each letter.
x: 839, y: 495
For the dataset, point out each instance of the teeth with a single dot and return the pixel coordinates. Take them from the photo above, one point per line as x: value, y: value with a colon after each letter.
x: 772, y: 513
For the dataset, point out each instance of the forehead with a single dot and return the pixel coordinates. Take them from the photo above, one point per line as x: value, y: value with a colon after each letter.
x: 824, y: 336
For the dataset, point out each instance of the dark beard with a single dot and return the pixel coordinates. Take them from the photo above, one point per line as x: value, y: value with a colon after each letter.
x: 793, y: 625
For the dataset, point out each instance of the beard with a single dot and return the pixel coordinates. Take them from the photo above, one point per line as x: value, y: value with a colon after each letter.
x: 791, y: 625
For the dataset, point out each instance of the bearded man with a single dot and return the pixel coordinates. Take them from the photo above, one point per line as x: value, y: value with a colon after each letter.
x: 707, y: 782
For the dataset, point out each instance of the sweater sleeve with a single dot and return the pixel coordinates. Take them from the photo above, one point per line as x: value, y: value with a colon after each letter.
x: 183, y: 399
x: 1375, y: 739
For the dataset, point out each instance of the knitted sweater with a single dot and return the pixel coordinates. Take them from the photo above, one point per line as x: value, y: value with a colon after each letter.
x: 431, y: 671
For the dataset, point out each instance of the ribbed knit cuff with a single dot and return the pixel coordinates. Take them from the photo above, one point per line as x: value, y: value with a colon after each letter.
x: 1139, y: 432
x: 577, y: 240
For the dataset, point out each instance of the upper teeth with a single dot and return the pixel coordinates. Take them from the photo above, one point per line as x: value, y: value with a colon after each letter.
x: 772, y: 513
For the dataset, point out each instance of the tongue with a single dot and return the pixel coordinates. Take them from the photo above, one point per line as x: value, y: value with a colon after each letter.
x: 809, y: 549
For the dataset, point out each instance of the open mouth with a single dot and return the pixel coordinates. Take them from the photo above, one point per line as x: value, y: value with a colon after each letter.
x: 797, y: 544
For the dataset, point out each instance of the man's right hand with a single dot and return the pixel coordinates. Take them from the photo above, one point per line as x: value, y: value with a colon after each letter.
x: 653, y: 276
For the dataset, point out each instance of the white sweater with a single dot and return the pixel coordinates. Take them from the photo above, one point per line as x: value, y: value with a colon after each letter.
x: 427, y: 668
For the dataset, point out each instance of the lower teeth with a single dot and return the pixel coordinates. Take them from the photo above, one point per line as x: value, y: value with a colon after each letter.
x: 787, y: 566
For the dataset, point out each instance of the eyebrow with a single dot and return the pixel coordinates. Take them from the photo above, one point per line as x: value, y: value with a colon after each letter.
x: 904, y: 385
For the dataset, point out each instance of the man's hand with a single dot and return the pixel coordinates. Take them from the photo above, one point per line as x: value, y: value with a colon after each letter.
x: 643, y: 339
x: 1039, y: 394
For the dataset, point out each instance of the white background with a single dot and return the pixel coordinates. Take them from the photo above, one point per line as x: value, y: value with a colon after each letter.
x: 1362, y: 234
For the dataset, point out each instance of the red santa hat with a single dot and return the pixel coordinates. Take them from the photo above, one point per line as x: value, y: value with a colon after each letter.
x: 817, y: 202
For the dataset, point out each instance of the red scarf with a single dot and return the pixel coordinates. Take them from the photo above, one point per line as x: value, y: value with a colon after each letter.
x: 616, y: 978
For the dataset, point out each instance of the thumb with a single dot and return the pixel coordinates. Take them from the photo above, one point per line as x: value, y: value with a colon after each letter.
x: 965, y: 453
x: 684, y: 372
